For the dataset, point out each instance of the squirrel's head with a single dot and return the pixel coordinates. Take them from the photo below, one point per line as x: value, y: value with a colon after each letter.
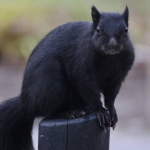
x: 110, y: 31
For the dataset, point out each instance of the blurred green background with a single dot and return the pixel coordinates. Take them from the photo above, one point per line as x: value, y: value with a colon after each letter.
x: 24, y: 22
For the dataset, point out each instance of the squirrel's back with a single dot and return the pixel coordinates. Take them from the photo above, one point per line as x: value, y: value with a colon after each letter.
x: 64, y: 36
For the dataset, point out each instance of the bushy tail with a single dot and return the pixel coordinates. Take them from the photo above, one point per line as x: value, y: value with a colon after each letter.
x: 15, y: 126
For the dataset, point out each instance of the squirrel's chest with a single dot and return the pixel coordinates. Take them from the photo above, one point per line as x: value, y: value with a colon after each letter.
x: 109, y: 73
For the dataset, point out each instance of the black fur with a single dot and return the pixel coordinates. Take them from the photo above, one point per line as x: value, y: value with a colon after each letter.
x: 69, y: 69
x: 95, y: 15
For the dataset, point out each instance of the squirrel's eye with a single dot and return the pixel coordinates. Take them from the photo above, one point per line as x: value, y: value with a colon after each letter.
x: 126, y: 30
x: 98, y: 29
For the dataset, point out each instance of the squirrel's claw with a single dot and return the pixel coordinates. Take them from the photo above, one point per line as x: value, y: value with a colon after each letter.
x: 114, y: 118
x: 103, y: 119
x: 114, y: 126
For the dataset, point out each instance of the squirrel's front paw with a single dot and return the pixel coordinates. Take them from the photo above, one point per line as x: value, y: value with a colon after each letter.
x: 113, y: 117
x: 103, y: 117
x: 75, y: 114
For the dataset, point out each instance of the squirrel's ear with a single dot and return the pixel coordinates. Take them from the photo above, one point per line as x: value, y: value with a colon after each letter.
x: 95, y: 15
x: 126, y: 15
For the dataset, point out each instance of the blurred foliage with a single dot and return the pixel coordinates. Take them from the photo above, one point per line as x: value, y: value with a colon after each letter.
x: 24, y: 22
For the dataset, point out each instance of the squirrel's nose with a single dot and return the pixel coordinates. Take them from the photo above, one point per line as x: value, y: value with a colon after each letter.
x: 112, y: 43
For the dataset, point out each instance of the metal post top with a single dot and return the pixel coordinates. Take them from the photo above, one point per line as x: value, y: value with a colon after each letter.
x: 83, y: 133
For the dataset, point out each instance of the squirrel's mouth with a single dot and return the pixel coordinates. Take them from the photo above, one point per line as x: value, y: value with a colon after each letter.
x: 112, y: 52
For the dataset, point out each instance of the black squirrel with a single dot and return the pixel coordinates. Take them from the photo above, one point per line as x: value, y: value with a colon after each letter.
x: 69, y: 69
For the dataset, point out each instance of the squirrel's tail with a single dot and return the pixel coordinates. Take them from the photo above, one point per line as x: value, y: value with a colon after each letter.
x: 15, y: 126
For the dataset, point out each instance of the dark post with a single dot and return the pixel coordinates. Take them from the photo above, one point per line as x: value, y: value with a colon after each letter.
x: 76, y: 134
